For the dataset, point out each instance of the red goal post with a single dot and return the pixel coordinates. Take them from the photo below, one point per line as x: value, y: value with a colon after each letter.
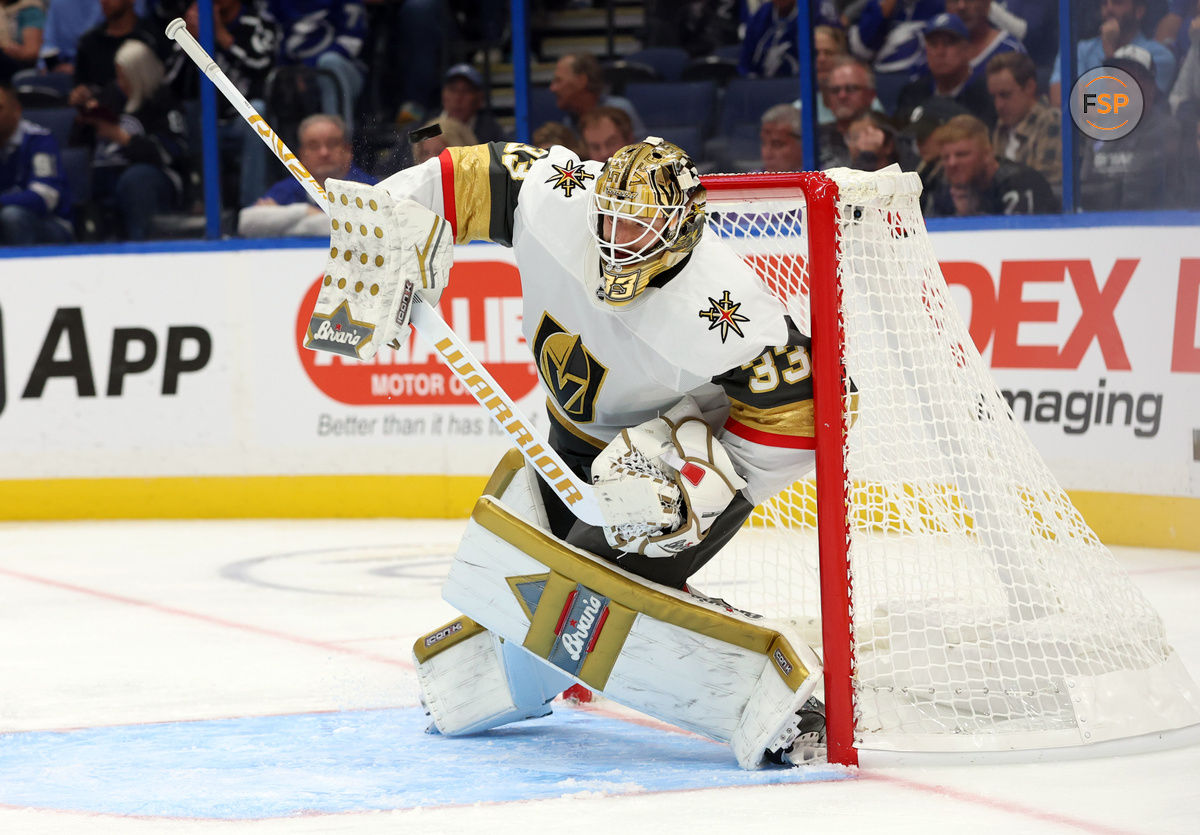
x: 961, y: 604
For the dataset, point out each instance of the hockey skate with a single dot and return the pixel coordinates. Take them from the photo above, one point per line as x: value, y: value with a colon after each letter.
x: 803, y: 740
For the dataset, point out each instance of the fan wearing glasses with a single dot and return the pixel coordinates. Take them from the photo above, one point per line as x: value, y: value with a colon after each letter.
x: 849, y: 93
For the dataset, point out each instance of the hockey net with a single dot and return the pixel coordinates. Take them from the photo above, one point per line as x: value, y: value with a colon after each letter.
x: 966, y: 605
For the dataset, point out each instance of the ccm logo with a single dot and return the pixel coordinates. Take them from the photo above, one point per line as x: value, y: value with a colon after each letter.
x: 784, y: 664
x: 443, y: 633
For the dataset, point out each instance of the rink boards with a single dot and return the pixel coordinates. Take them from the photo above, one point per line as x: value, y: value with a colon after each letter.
x: 169, y: 381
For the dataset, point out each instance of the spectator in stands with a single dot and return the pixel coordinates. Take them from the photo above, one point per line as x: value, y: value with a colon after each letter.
x: 578, y: 87
x: 1120, y: 25
x: 1032, y: 22
x: 21, y: 31
x: 463, y: 100
x: 1027, y: 130
x: 946, y: 53
x: 1189, y: 117
x: 34, y: 199
x: 328, y: 35
x: 780, y: 135
x: 246, y: 40
x: 286, y: 208
x: 887, y: 33
x: 871, y: 142
x: 605, y: 131
x: 983, y: 39
x: 1139, y: 170
x: 66, y: 21
x: 919, y: 132
x: 698, y: 26
x: 549, y: 134
x: 140, y: 161
x: 1172, y: 28
x: 94, y: 66
x: 829, y: 44
x: 454, y: 135
x: 977, y: 183
x: 771, y: 46
x: 1187, y: 85
x: 849, y: 94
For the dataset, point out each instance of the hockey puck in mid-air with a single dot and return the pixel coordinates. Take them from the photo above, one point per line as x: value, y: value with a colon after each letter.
x: 421, y: 134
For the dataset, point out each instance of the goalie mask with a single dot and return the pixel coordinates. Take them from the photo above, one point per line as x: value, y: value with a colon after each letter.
x: 646, y: 215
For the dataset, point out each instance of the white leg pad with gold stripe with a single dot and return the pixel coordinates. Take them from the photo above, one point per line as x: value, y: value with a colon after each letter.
x: 472, y: 680
x: 729, y: 677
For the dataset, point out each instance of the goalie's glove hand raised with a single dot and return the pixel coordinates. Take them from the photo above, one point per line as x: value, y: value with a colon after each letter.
x: 663, y: 483
x: 382, y: 252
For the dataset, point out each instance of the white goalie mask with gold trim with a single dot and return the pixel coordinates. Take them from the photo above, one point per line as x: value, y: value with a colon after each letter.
x: 646, y: 215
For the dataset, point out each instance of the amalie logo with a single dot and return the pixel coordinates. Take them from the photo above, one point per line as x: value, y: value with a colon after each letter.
x: 482, y: 304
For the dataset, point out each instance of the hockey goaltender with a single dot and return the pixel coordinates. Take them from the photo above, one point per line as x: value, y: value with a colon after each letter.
x: 676, y: 384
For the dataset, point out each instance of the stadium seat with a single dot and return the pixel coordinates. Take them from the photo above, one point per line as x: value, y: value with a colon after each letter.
x: 618, y: 74
x: 58, y: 120
x: 38, y: 89
x: 746, y: 99
x: 77, y: 168
x: 667, y: 61
x: 711, y: 68
x: 542, y: 108
x: 687, y: 137
x: 291, y: 93
x: 887, y: 88
x: 733, y: 51
x: 675, y: 103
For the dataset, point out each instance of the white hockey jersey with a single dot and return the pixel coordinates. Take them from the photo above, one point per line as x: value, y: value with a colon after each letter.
x: 712, y: 329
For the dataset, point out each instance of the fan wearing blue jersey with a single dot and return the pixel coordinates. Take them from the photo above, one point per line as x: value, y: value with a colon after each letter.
x: 34, y: 201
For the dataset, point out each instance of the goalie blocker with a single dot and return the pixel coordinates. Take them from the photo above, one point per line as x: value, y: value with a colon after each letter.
x: 540, y: 614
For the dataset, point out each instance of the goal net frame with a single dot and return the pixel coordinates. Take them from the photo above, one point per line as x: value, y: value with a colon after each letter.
x: 1146, y: 694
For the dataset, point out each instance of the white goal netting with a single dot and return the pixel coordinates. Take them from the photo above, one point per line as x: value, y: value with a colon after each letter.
x: 984, y: 612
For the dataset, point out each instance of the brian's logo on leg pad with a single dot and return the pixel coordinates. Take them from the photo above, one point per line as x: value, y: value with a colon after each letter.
x: 578, y: 628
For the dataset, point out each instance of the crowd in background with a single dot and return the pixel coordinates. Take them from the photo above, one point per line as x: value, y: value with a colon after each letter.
x: 100, y: 120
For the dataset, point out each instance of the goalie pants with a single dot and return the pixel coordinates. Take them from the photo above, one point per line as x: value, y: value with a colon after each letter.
x: 670, y: 571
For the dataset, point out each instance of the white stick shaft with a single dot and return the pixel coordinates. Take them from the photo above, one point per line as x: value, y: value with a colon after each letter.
x: 575, y: 493
x: 177, y: 30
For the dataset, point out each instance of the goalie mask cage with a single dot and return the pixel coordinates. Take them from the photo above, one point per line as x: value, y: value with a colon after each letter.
x: 961, y: 603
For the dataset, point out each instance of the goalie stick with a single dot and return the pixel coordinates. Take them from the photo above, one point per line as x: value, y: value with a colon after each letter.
x: 575, y: 493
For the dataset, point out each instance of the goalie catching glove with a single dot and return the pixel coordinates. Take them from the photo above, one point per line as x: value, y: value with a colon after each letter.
x: 663, y: 483
x: 382, y: 251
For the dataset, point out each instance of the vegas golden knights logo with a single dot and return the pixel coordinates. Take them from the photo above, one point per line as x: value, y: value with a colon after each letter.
x: 568, y: 369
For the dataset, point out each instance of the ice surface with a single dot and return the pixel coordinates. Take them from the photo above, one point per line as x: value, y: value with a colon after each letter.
x: 255, y: 676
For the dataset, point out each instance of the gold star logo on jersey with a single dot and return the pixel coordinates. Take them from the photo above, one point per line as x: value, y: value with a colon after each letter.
x: 568, y: 369
x: 724, y: 315
x: 569, y: 178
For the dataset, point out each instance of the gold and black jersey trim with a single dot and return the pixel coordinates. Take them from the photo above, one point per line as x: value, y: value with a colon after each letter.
x: 771, y: 397
x: 480, y: 187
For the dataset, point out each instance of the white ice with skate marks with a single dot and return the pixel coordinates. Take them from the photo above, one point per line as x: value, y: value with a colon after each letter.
x: 275, y: 655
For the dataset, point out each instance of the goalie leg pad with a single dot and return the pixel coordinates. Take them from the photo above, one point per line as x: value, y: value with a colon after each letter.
x: 382, y: 251
x: 732, y: 678
x: 471, y: 680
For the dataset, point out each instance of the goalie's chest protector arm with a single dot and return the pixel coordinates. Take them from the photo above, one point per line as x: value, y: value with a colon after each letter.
x: 474, y: 187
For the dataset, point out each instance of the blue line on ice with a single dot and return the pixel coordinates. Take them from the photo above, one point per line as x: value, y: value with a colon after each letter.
x: 355, y: 761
